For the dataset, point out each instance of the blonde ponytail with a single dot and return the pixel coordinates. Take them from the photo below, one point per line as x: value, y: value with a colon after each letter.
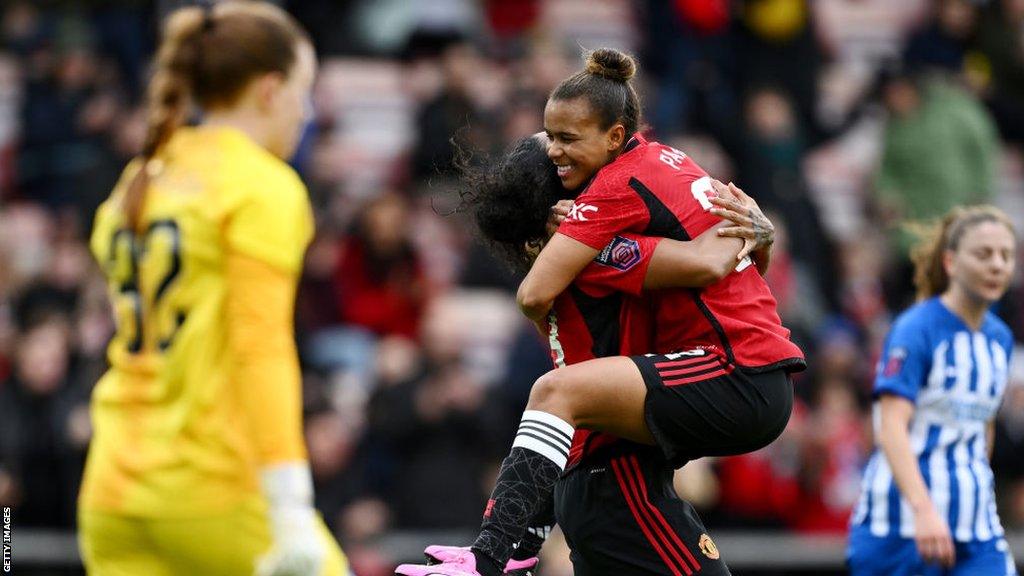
x: 168, y: 101
x: 206, y: 58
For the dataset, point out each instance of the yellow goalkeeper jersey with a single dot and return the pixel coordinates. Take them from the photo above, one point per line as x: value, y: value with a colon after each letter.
x: 170, y: 438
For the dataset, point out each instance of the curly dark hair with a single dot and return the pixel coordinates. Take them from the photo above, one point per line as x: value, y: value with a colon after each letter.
x: 510, y: 198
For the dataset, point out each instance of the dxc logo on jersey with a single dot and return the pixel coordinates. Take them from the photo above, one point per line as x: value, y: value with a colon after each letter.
x: 577, y: 211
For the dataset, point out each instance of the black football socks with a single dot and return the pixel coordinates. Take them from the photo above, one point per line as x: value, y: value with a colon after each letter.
x: 525, y: 483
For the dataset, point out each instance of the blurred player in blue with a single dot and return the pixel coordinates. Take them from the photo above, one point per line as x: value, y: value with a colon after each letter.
x: 927, y: 504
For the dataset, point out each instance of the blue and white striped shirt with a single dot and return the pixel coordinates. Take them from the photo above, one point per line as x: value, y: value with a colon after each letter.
x: 956, y: 377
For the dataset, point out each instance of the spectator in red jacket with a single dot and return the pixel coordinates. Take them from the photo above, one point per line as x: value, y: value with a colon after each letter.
x: 379, y: 279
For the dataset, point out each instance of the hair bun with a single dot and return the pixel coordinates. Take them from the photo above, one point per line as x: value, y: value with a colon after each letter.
x: 611, y: 64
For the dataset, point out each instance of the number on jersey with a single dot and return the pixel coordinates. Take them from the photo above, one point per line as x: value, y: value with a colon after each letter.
x: 700, y: 189
x: 143, y: 270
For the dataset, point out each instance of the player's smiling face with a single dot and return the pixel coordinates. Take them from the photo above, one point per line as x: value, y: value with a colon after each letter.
x: 578, y: 145
x: 982, y: 265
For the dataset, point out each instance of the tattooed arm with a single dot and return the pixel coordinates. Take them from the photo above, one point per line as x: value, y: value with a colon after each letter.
x: 752, y: 225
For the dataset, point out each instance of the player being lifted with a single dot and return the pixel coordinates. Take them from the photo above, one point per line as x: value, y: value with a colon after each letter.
x: 719, y: 383
x: 198, y: 464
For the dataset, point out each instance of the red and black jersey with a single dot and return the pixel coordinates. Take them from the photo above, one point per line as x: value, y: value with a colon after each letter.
x: 601, y: 314
x: 658, y: 191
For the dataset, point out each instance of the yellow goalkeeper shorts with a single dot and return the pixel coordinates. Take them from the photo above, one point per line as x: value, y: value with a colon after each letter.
x: 226, y: 544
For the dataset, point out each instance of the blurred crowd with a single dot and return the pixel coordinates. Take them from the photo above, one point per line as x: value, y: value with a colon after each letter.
x: 847, y: 120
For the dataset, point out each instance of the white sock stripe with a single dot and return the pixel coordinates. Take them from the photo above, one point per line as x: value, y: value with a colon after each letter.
x: 551, y: 420
x: 544, y: 448
x: 548, y: 428
x: 546, y: 440
x: 546, y: 433
x: 540, y: 531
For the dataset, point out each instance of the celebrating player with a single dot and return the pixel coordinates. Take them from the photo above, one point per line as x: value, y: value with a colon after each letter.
x: 198, y: 464
x: 927, y: 504
x: 720, y: 384
x: 510, y: 204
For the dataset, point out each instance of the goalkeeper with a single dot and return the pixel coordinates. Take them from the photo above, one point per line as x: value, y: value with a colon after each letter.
x: 198, y: 464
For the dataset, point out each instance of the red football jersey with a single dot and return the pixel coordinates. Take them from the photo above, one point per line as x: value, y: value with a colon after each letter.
x: 658, y: 191
x: 601, y: 315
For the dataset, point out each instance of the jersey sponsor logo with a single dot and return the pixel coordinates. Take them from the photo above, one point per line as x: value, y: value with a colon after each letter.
x: 578, y: 211
x: 970, y: 409
x: 707, y: 546
x: 895, y: 363
x: 621, y: 254
x: 489, y: 509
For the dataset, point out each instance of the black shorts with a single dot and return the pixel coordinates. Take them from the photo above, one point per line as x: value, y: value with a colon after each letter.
x: 620, y: 515
x: 699, y: 406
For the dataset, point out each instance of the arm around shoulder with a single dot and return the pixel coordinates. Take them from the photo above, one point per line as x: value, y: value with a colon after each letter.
x: 694, y: 264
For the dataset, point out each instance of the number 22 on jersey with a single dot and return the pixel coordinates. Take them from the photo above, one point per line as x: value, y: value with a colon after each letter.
x: 143, y: 270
